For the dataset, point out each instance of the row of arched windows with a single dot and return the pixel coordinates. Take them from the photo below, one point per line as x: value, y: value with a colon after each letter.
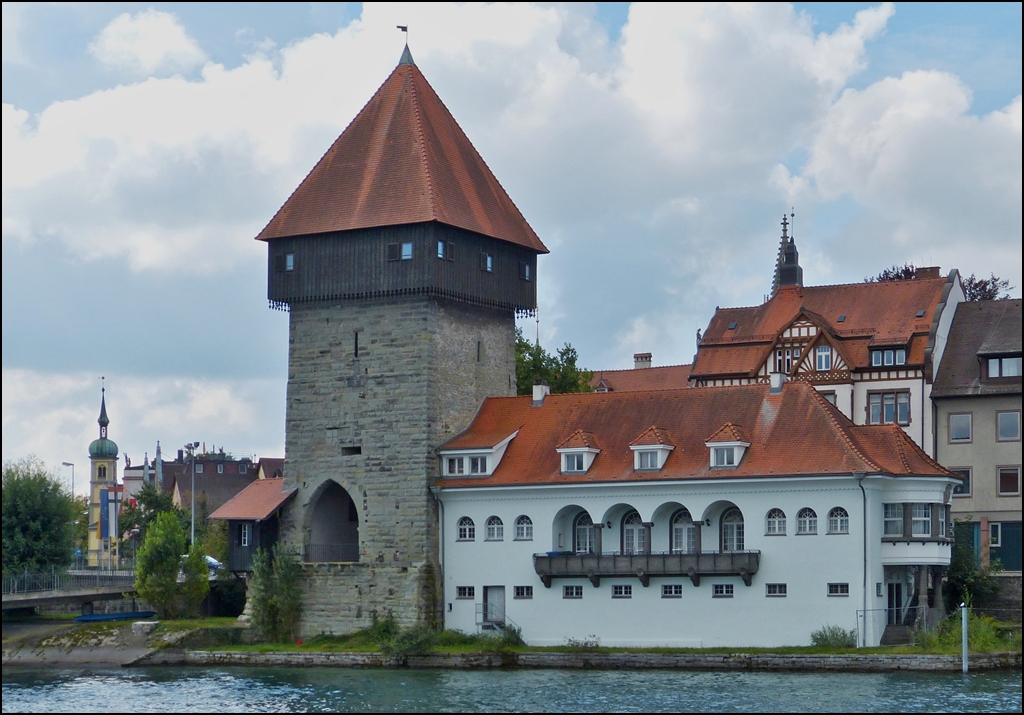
x: 807, y: 521
x: 495, y: 529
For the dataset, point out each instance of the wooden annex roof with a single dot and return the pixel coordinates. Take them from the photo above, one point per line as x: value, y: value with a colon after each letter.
x: 402, y: 160
x: 257, y: 501
x: 880, y: 314
x: 792, y: 433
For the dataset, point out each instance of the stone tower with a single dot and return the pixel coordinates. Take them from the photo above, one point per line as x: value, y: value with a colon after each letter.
x: 403, y: 263
x: 104, y: 494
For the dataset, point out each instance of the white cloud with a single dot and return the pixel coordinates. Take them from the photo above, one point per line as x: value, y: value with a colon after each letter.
x: 54, y: 415
x: 12, y: 51
x: 146, y: 43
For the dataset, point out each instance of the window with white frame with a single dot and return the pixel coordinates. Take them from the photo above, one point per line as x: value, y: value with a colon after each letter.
x: 838, y: 521
x: 622, y: 591
x: 487, y: 262
x: 407, y: 251
x: 1004, y: 367
x: 456, y: 465
x: 246, y: 539
x: 839, y: 589
x: 732, y: 530
x: 583, y: 533
x: 199, y: 468
x: 960, y: 427
x: 634, y: 534
x: 220, y: 468
x: 495, y: 529
x: 467, y: 529
x: 1009, y: 481
x: 806, y: 521
x: 524, y: 528
x: 523, y: 592
x: 886, y: 408
x: 892, y: 519
x: 289, y: 261
x: 921, y: 519
x: 684, y: 533
x: 573, y: 462
x: 776, y: 523
x: 775, y: 590
x: 1008, y: 426
x: 723, y: 457
x: 722, y: 590
x: 478, y: 465
x: 672, y: 590
x: 647, y: 459
x: 995, y: 534
x: 572, y: 592
x: 889, y: 357
x: 465, y: 592
x: 823, y: 358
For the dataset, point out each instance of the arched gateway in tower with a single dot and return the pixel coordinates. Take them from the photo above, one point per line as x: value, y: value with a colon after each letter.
x: 403, y: 263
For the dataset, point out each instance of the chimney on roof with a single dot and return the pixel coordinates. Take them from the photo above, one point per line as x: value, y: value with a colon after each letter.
x: 775, y: 381
x: 539, y: 393
x: 928, y: 272
x: 641, y: 361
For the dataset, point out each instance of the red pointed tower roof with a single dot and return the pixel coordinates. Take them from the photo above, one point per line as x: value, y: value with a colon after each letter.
x: 402, y: 160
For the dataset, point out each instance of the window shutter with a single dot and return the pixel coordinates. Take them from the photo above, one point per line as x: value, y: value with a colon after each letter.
x: 483, y: 261
x: 523, y: 267
x: 394, y: 252
x: 279, y: 262
x: 449, y: 251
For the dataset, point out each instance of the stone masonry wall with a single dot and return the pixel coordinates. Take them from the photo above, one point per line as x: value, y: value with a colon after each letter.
x: 415, y: 383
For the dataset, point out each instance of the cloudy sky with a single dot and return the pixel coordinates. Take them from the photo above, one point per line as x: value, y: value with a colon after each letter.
x: 653, y: 148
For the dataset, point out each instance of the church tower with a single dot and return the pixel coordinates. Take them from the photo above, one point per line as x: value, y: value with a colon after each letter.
x: 403, y: 264
x: 104, y: 494
x: 787, y: 266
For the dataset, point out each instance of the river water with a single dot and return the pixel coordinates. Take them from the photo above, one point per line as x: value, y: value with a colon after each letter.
x: 343, y: 690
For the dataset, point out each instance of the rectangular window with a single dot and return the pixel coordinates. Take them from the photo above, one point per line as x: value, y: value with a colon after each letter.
x: 839, y: 589
x: 246, y: 534
x: 777, y: 590
x: 921, y: 520
x: 351, y: 451
x: 1009, y: 481
x: 572, y: 592
x: 672, y: 590
x: 964, y: 488
x: 220, y: 469
x: 524, y: 271
x: 465, y: 592
x: 889, y: 357
x: 407, y: 251
x: 523, y: 591
x: 995, y: 534
x: 574, y: 462
x: 648, y: 460
x: 242, y: 468
x: 199, y: 469
x: 892, y: 519
x: 394, y: 252
x: 876, y: 358
x: 1004, y: 367
x: 824, y: 358
x: 830, y: 396
x: 960, y: 427
x: 478, y: 465
x: 622, y: 591
x: 901, y: 357
x: 1008, y: 429
x: 456, y: 465
x: 722, y: 590
x: 487, y: 262
x: 289, y: 262
x: 724, y: 457
x: 888, y: 407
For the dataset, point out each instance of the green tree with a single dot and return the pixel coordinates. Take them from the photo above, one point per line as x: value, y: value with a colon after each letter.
x: 38, y: 518
x: 158, y: 562
x: 906, y: 272
x: 967, y: 581
x: 535, y: 365
x: 275, y: 594
x: 81, y: 532
x: 134, y: 520
x: 993, y: 288
x: 196, y: 583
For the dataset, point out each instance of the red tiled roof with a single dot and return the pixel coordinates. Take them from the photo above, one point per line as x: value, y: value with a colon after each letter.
x: 880, y: 313
x: 651, y: 436
x: 795, y: 432
x: 580, y: 439
x: 257, y: 501
x: 402, y: 160
x: 666, y: 377
x: 271, y: 466
x: 727, y: 433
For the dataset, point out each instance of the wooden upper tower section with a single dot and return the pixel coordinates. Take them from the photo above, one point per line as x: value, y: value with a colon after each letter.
x: 402, y: 172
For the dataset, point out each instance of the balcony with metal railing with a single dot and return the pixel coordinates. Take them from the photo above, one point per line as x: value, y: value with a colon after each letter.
x: 643, y: 566
x: 347, y: 552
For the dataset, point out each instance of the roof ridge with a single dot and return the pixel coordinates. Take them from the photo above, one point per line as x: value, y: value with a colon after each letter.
x: 840, y: 428
x: 905, y: 439
x: 423, y: 144
x: 902, y: 452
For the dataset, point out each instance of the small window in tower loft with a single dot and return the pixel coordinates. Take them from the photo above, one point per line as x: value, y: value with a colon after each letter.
x: 289, y: 261
x: 407, y: 251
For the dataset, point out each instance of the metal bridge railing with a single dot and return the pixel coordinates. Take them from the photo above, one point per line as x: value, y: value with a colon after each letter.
x: 34, y: 582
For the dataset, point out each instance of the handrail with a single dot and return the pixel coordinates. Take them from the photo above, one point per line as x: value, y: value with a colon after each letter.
x: 35, y: 582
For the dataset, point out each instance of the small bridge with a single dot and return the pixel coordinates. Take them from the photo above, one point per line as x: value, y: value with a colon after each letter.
x: 56, y: 588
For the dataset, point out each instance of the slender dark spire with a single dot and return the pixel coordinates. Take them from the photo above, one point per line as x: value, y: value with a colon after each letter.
x: 406, y: 57
x: 103, y: 420
x: 787, y: 265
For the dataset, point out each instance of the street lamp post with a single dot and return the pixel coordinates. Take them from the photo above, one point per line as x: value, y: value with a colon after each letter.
x: 191, y: 447
x: 72, y: 465
x: 74, y: 504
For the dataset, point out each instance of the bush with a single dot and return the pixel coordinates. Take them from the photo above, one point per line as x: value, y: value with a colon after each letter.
x: 590, y: 643
x: 834, y: 637
x: 983, y: 634
x: 417, y: 640
x: 196, y: 583
x: 276, y: 594
x: 158, y: 562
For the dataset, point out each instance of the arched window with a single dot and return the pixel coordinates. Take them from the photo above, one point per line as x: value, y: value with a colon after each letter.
x: 101, y: 472
x: 732, y: 530
x: 838, y: 521
x: 806, y: 521
x: 684, y: 533
x: 467, y: 529
x: 776, y: 522
x: 495, y: 529
x: 583, y: 533
x: 524, y: 528
x: 634, y: 535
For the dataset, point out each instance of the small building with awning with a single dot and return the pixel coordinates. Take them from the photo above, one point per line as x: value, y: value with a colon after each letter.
x: 253, y: 517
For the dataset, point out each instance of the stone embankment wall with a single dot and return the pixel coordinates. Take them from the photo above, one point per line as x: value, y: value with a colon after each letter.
x: 613, y: 661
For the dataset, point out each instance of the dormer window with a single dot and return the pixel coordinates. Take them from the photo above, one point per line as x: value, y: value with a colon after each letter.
x: 478, y: 465
x: 723, y: 457
x: 573, y: 462
x: 727, y: 446
x: 823, y: 355
x: 577, y: 452
x: 475, y: 461
x: 1004, y: 367
x: 646, y: 459
x: 456, y: 465
x: 650, y: 450
x: 888, y: 357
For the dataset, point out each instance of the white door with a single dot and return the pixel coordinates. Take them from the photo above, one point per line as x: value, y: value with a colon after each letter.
x: 494, y: 604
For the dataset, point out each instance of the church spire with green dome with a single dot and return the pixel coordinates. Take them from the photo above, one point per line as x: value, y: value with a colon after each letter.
x: 103, y: 447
